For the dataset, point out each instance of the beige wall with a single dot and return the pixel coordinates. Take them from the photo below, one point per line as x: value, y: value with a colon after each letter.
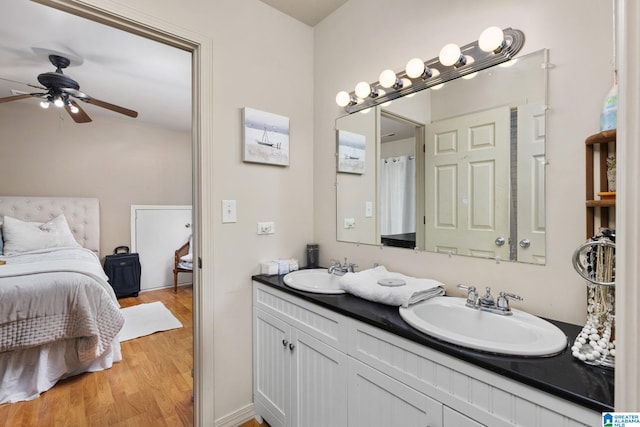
x: 120, y: 161
x: 374, y: 35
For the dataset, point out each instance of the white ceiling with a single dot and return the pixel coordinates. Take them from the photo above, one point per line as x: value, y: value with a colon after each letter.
x: 116, y: 67
x: 308, y: 11
x: 119, y: 68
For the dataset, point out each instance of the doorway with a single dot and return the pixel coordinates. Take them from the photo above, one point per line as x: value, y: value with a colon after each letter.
x: 201, y: 62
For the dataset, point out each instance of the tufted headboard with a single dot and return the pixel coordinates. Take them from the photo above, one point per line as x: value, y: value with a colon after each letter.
x: 82, y: 214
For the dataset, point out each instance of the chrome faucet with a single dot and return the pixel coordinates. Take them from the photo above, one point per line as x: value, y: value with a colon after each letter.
x: 487, y: 302
x: 341, y: 269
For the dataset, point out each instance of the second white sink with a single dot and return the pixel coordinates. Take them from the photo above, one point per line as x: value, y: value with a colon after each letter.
x: 317, y: 280
x: 520, y: 334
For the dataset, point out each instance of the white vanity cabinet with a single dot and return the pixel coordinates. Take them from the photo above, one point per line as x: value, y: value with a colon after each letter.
x: 377, y: 400
x: 300, y: 365
x: 316, y: 367
x: 470, y: 396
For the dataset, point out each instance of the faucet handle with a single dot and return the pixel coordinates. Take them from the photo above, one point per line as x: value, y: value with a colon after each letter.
x: 472, y: 296
x: 335, y: 263
x: 503, y: 300
x: 466, y: 288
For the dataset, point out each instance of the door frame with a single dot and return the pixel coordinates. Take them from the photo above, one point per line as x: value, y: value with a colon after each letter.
x: 201, y: 48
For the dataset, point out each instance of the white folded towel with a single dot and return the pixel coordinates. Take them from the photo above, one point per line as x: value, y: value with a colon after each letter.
x: 364, y: 284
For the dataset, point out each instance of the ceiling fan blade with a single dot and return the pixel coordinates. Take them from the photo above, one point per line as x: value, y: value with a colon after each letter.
x: 112, y: 107
x: 16, y: 97
x: 22, y: 83
x: 80, y: 116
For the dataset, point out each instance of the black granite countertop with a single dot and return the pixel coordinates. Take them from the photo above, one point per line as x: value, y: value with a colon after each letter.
x: 561, y: 375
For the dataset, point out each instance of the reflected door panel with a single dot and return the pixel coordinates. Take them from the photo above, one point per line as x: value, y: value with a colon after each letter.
x: 467, y: 184
x: 531, y: 183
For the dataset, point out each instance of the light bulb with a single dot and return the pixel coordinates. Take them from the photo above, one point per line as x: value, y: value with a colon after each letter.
x: 491, y: 39
x: 73, y: 109
x: 363, y: 89
x: 343, y: 99
x: 449, y: 54
x: 388, y: 78
x: 44, y: 104
x: 58, y: 102
x: 415, y: 68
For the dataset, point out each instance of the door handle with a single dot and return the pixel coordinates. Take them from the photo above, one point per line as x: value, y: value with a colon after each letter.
x: 285, y: 342
x: 525, y: 243
x: 291, y: 346
x: 499, y: 241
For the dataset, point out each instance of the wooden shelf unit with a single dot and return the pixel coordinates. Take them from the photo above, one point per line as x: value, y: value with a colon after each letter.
x: 607, y: 142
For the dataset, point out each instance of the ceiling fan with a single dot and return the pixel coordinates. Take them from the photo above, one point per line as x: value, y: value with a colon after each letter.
x: 63, y: 91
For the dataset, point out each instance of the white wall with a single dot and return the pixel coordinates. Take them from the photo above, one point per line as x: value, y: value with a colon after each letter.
x: 373, y: 35
x: 121, y: 161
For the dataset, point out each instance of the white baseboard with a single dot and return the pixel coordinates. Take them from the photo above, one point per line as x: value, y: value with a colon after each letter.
x: 234, y: 419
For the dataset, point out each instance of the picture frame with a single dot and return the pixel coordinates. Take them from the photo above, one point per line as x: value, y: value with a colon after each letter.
x: 266, y: 137
x: 351, y: 152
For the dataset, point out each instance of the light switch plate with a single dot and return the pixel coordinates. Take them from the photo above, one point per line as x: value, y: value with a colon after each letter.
x: 229, y: 212
x: 368, y: 209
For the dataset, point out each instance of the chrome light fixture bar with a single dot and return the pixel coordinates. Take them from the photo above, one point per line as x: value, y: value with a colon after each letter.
x: 494, y: 47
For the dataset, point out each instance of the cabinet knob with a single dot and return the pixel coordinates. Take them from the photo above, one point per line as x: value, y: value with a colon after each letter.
x: 499, y: 241
x: 285, y: 342
x: 525, y: 243
x: 291, y: 346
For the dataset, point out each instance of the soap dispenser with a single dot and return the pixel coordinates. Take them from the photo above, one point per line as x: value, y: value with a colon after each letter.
x: 609, y: 116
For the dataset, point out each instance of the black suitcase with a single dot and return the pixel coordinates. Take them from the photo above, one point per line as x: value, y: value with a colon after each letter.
x: 124, y: 270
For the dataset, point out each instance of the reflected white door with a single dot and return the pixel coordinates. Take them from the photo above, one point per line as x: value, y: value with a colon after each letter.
x: 156, y: 233
x: 467, y: 184
x: 531, y: 184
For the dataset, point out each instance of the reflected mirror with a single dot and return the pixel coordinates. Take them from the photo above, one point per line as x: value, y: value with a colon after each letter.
x: 458, y: 169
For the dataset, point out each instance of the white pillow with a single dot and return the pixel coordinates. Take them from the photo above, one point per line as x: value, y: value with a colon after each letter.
x: 21, y: 236
x: 187, y: 258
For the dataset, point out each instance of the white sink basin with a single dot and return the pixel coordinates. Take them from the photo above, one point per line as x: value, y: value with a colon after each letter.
x: 521, y: 334
x: 317, y: 280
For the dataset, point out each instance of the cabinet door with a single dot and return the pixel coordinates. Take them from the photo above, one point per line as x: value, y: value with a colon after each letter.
x: 456, y: 419
x: 271, y: 368
x: 319, y: 388
x: 376, y: 399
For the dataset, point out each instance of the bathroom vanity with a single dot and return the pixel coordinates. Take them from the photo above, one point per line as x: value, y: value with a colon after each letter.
x: 338, y: 360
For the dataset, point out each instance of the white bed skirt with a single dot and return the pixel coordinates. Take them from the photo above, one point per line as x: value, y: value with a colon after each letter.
x: 24, y: 374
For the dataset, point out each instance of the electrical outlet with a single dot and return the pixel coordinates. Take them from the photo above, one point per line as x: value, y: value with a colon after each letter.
x: 349, y: 223
x: 266, y: 227
x: 229, y: 213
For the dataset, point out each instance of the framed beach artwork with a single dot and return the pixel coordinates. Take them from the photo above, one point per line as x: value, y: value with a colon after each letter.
x: 266, y: 137
x: 351, y: 151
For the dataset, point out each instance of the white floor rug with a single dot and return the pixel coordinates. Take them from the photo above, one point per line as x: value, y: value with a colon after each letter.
x: 145, y: 319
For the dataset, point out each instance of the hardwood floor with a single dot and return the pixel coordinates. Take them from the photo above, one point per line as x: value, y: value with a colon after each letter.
x: 150, y: 387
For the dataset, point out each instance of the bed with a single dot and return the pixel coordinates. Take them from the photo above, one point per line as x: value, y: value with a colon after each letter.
x: 59, y: 316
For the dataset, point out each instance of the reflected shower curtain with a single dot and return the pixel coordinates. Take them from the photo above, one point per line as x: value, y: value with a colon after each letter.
x: 398, y: 195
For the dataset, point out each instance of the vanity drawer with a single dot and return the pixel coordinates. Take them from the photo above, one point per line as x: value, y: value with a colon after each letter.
x: 322, y: 324
x: 484, y: 396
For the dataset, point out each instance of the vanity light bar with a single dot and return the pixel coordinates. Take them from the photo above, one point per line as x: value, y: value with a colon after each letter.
x: 472, y: 58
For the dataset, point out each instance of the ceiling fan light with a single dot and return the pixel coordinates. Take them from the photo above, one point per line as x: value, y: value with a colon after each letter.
x: 58, y: 102
x: 44, y: 104
x: 73, y: 109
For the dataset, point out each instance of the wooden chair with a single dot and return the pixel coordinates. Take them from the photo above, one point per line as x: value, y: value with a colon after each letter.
x: 184, y: 250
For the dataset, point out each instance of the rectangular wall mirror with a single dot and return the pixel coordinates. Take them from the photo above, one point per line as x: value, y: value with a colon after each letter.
x: 458, y: 169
